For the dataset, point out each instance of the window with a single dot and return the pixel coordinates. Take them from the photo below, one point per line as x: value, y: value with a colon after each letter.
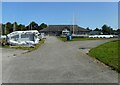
x: 15, y: 37
x: 24, y: 35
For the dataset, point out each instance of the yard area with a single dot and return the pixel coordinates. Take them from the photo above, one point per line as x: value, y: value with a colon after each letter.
x: 78, y: 39
x: 108, y: 54
x: 55, y: 62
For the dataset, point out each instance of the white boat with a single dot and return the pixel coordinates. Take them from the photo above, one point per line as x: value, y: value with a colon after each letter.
x: 30, y: 37
x: 2, y: 36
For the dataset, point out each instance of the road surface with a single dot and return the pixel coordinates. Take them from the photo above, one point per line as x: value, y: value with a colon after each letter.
x: 57, y: 62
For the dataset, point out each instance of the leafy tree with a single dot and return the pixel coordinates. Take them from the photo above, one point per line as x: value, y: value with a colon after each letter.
x: 21, y: 27
x: 106, y: 29
x: 111, y: 30
x: 27, y: 27
x: 33, y: 25
x: 118, y: 30
x: 42, y: 26
x: 87, y: 28
x: 97, y: 29
x: 2, y: 29
x: 9, y: 27
x: 15, y: 25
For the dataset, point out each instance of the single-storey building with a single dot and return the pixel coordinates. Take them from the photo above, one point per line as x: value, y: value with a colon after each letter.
x: 95, y: 33
x: 60, y: 29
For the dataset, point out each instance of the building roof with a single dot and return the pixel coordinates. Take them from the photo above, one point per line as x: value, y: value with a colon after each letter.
x: 95, y: 32
x: 62, y: 27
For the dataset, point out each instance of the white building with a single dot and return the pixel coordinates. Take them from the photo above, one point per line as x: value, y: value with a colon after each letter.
x: 65, y: 32
x: 30, y: 37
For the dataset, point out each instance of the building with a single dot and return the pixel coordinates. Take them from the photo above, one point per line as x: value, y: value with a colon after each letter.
x: 66, y: 32
x: 58, y: 29
x: 95, y: 33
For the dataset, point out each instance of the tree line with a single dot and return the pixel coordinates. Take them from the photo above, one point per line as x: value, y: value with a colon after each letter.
x: 105, y: 29
x: 10, y: 27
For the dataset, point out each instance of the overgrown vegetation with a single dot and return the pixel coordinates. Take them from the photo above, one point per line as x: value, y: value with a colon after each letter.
x: 108, y: 54
x: 3, y: 43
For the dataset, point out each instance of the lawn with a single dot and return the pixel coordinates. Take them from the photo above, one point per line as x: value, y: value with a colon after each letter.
x: 26, y: 48
x: 78, y: 39
x: 108, y: 54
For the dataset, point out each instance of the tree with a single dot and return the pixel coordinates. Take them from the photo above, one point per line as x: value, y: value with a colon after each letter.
x: 42, y: 26
x: 111, y: 30
x: 21, y: 27
x: 15, y: 26
x: 27, y: 27
x: 107, y: 29
x: 33, y: 25
x: 97, y: 29
x: 87, y: 28
x: 3, y: 29
x: 118, y: 30
x: 9, y: 27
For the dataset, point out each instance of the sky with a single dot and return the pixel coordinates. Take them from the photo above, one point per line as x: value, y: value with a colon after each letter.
x: 86, y: 14
x: 60, y: 0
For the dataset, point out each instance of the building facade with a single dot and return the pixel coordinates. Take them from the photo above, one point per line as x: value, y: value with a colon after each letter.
x: 57, y: 29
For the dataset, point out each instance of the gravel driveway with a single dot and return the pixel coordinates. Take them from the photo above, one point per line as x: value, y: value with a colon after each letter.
x: 58, y: 62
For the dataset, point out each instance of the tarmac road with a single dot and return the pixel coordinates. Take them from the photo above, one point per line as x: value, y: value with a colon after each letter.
x: 58, y: 62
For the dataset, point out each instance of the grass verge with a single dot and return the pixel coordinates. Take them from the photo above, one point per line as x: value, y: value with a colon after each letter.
x: 78, y: 39
x: 108, y: 54
x: 26, y: 48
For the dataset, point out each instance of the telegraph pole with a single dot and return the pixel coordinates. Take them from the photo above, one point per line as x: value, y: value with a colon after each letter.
x: 14, y: 27
x: 73, y: 22
x: 5, y: 29
x: 31, y: 26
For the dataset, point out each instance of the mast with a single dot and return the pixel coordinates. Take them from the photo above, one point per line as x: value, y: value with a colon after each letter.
x: 5, y: 29
x: 73, y: 22
x: 31, y: 26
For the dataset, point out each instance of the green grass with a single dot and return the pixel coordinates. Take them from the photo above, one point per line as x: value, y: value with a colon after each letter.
x: 26, y: 48
x: 78, y: 39
x: 108, y: 54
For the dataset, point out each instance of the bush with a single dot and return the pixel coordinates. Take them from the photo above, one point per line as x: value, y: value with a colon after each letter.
x: 3, y: 42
